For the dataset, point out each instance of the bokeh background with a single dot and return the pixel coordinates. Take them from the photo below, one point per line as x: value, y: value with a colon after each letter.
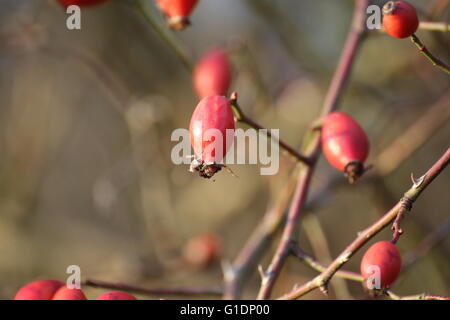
x: 85, y: 124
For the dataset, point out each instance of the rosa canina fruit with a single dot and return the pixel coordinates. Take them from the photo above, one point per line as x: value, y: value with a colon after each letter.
x: 65, y: 293
x: 344, y: 144
x: 116, y: 295
x: 202, y: 250
x: 39, y: 290
x: 80, y: 3
x: 385, y: 256
x: 210, y: 124
x: 177, y: 12
x: 212, y: 74
x: 400, y: 19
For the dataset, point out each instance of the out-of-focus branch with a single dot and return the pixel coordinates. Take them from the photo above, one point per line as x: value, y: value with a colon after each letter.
x: 236, y: 274
x: 312, y: 146
x: 187, y: 291
x: 413, y: 137
x: 429, y: 242
x: 434, y: 26
x: 412, y: 194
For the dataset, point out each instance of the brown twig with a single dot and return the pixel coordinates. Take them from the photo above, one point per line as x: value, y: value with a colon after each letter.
x: 413, y: 193
x: 434, y: 60
x: 154, y: 291
x: 241, y: 117
x: 312, y: 145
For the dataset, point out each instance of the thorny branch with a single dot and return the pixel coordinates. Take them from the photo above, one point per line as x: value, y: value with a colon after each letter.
x: 312, y: 145
x: 413, y: 193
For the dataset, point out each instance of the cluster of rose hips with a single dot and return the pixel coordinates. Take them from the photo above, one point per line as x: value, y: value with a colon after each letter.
x: 344, y: 143
x: 57, y: 290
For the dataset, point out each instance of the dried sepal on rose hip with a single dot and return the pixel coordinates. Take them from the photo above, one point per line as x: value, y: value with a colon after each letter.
x: 212, y: 74
x: 400, y: 19
x: 177, y: 12
x: 211, y: 133
x: 380, y: 265
x: 80, y: 3
x: 344, y: 144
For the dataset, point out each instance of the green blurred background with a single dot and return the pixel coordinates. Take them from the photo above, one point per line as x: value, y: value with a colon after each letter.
x: 86, y: 116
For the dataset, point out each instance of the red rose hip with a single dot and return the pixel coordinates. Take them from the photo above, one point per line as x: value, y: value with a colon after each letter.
x: 382, y: 257
x: 80, y: 3
x: 400, y: 19
x: 211, y: 132
x: 39, y: 290
x: 65, y: 293
x: 201, y: 250
x: 116, y: 295
x: 177, y: 12
x: 344, y: 144
x: 212, y: 74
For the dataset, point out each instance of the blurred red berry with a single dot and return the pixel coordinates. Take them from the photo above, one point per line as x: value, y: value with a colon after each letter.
x: 400, y: 19
x: 80, y: 3
x: 211, y: 120
x: 39, y: 290
x: 212, y: 75
x: 177, y: 12
x: 116, y: 295
x: 386, y: 257
x: 344, y: 144
x: 64, y: 293
x: 202, y: 250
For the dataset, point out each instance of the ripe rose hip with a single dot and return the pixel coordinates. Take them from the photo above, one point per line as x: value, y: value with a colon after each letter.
x: 344, y: 144
x: 400, y: 19
x: 39, y: 290
x: 64, y: 293
x: 386, y: 257
x: 202, y: 250
x: 212, y: 75
x: 177, y: 12
x: 80, y: 3
x: 116, y: 295
x: 211, y: 122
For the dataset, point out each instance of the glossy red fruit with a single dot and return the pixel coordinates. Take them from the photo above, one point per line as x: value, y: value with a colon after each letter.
x: 400, y: 19
x: 202, y: 250
x: 80, y: 3
x: 39, y: 290
x: 344, y: 144
x: 177, y: 12
x: 211, y: 132
x: 64, y: 293
x: 116, y: 295
x: 386, y: 257
x: 212, y: 75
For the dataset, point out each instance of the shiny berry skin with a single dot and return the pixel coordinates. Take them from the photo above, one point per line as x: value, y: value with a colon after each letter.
x: 386, y: 257
x: 344, y: 144
x: 39, y: 290
x: 400, y: 19
x: 116, y: 295
x: 201, y: 250
x: 80, y: 3
x: 212, y: 74
x: 64, y: 293
x: 177, y: 12
x: 210, y: 123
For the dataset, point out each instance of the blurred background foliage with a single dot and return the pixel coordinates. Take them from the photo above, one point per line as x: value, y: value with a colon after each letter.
x: 86, y: 117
